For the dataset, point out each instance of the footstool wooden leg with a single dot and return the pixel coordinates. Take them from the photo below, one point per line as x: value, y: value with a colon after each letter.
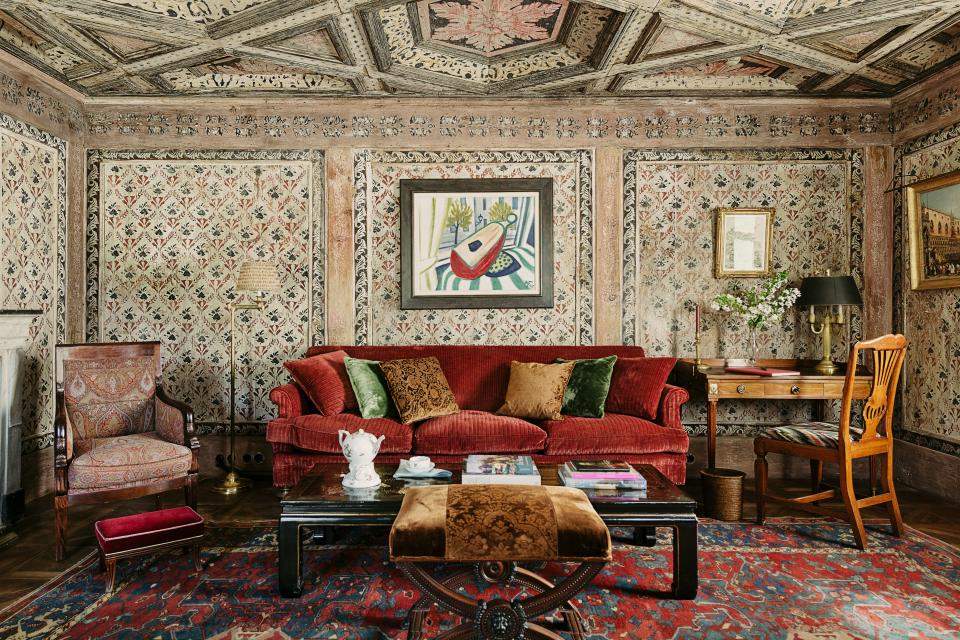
x: 195, y: 552
x: 111, y: 574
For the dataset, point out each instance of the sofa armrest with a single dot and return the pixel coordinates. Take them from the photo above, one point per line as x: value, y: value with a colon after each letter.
x: 290, y: 401
x: 671, y: 399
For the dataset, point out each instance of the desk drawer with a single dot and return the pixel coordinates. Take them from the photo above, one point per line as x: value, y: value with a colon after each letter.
x: 795, y: 389
x: 738, y: 390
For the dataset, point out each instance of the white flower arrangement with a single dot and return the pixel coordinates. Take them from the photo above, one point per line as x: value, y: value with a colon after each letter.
x: 762, y: 305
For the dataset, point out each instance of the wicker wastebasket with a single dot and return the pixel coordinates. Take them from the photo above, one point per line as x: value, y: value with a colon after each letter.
x: 723, y: 493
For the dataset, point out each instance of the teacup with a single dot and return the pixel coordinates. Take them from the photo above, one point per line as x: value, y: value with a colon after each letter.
x: 419, y: 463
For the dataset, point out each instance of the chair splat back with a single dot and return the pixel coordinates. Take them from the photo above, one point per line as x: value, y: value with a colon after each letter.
x: 888, y: 354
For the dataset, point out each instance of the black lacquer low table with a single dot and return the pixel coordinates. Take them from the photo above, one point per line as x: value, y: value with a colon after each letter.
x: 320, y: 503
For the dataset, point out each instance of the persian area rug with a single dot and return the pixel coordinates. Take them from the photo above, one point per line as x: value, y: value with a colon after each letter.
x: 790, y: 578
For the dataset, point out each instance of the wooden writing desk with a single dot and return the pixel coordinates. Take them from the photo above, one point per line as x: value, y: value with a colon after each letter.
x: 809, y: 385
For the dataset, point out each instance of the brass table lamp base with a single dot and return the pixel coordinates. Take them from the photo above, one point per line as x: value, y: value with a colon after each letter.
x: 233, y: 483
x: 826, y: 367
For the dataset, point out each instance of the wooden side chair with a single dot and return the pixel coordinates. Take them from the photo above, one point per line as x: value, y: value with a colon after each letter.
x: 117, y: 435
x: 842, y: 444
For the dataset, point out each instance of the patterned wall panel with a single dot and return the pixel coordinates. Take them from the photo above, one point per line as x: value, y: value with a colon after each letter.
x: 32, y: 262
x: 379, y: 319
x: 930, y: 395
x: 166, y: 233
x: 670, y: 202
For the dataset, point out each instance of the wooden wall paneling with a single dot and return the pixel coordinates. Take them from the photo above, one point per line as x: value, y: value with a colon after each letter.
x: 609, y: 244
x: 878, y: 242
x: 340, y: 262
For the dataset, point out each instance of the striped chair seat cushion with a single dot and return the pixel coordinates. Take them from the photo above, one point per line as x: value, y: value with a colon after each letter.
x: 817, y: 434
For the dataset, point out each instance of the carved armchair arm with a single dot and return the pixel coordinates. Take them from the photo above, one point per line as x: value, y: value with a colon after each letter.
x: 62, y: 454
x: 671, y: 399
x: 174, y: 420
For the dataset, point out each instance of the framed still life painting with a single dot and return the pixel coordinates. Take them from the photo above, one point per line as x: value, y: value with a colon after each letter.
x: 933, y: 207
x: 743, y: 244
x: 476, y: 243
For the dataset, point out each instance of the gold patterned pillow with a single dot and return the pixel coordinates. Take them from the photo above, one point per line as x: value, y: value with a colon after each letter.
x: 536, y: 390
x: 419, y: 389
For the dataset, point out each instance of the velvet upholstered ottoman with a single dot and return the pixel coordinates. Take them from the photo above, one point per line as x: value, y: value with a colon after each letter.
x: 143, y: 533
x: 494, y: 528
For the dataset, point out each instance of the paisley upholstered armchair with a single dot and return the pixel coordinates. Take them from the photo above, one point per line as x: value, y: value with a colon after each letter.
x: 116, y: 434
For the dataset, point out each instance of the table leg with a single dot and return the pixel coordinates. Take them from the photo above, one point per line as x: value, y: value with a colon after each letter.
x: 685, y: 571
x: 291, y: 559
x: 712, y: 434
x: 645, y: 536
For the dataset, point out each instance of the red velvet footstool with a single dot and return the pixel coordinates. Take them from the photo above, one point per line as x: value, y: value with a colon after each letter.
x: 144, y: 533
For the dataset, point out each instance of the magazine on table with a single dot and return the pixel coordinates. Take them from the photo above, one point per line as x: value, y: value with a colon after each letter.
x: 600, y: 470
x: 499, y: 469
x: 593, y: 483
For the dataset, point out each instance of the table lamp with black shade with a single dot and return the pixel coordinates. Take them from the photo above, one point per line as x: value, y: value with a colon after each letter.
x: 834, y: 293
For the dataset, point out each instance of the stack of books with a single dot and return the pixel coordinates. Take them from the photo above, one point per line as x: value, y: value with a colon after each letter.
x: 601, y: 474
x: 499, y: 469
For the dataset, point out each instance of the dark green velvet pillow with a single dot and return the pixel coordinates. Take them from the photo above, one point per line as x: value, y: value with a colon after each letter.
x: 588, y: 387
x: 370, y: 387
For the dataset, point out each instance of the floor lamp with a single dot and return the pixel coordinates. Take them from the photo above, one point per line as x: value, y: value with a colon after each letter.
x: 261, y: 278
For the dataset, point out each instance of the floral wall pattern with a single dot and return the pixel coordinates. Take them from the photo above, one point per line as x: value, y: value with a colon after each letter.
x: 166, y: 233
x: 379, y: 319
x: 670, y: 202
x: 32, y: 260
x: 930, y: 392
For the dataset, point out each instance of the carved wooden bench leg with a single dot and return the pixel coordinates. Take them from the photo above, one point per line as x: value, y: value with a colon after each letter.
x: 499, y: 619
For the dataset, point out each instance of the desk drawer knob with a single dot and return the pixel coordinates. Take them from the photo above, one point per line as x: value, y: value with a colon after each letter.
x: 795, y: 390
x: 741, y: 388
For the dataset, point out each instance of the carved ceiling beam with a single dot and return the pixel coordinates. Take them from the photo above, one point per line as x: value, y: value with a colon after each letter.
x: 121, y: 17
x: 303, y: 62
x: 910, y: 36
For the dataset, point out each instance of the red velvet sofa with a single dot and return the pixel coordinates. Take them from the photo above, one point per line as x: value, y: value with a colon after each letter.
x: 478, y: 376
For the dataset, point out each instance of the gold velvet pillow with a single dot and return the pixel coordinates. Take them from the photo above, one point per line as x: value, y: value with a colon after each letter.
x: 536, y: 390
x: 419, y: 389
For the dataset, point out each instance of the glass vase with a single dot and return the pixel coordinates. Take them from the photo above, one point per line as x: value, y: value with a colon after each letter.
x: 754, y: 334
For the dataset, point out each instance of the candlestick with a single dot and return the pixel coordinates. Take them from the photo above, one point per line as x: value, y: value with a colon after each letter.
x: 698, y: 320
x: 698, y: 364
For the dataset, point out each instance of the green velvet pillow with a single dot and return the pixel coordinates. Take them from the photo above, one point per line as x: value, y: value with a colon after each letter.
x: 588, y: 387
x: 370, y: 387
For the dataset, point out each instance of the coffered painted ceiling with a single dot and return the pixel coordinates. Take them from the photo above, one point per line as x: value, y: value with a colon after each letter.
x: 496, y: 47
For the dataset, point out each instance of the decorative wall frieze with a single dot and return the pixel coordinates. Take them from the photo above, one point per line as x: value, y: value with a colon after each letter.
x: 42, y: 107
x: 483, y: 123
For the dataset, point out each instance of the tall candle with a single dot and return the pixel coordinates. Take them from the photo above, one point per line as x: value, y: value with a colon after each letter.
x: 698, y: 320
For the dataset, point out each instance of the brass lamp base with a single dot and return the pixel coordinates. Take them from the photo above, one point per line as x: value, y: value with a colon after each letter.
x: 826, y: 367
x: 233, y: 483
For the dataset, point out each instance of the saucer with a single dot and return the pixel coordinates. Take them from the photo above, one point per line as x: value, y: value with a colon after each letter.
x: 405, y: 467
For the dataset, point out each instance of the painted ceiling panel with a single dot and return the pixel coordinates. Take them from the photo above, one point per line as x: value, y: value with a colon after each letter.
x: 499, y: 47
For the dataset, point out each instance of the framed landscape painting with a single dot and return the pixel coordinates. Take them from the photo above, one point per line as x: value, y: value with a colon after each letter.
x: 933, y: 207
x: 743, y: 244
x: 476, y: 243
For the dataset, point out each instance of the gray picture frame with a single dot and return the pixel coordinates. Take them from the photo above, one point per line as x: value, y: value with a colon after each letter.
x: 542, y: 186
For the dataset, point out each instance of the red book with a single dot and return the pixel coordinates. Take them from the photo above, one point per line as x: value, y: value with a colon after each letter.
x: 761, y: 371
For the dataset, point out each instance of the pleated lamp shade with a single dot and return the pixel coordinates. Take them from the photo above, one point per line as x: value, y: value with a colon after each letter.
x: 261, y: 277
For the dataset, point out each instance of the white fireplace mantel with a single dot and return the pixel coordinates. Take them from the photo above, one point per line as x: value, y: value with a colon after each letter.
x: 14, y: 336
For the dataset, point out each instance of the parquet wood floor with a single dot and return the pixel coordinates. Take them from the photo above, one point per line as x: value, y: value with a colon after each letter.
x: 28, y: 563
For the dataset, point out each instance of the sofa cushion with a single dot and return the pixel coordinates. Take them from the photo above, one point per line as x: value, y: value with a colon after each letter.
x: 324, y: 379
x: 319, y: 433
x: 588, y: 387
x: 637, y: 384
x: 536, y: 390
x: 612, y: 434
x: 370, y: 388
x: 127, y: 461
x: 419, y: 389
x: 478, y: 432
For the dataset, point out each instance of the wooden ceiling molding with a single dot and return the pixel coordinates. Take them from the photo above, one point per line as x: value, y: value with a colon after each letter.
x: 519, y: 48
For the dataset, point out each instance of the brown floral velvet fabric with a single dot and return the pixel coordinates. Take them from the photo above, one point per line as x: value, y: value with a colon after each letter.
x: 471, y: 523
x: 108, y: 397
x: 419, y: 389
x: 536, y: 390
